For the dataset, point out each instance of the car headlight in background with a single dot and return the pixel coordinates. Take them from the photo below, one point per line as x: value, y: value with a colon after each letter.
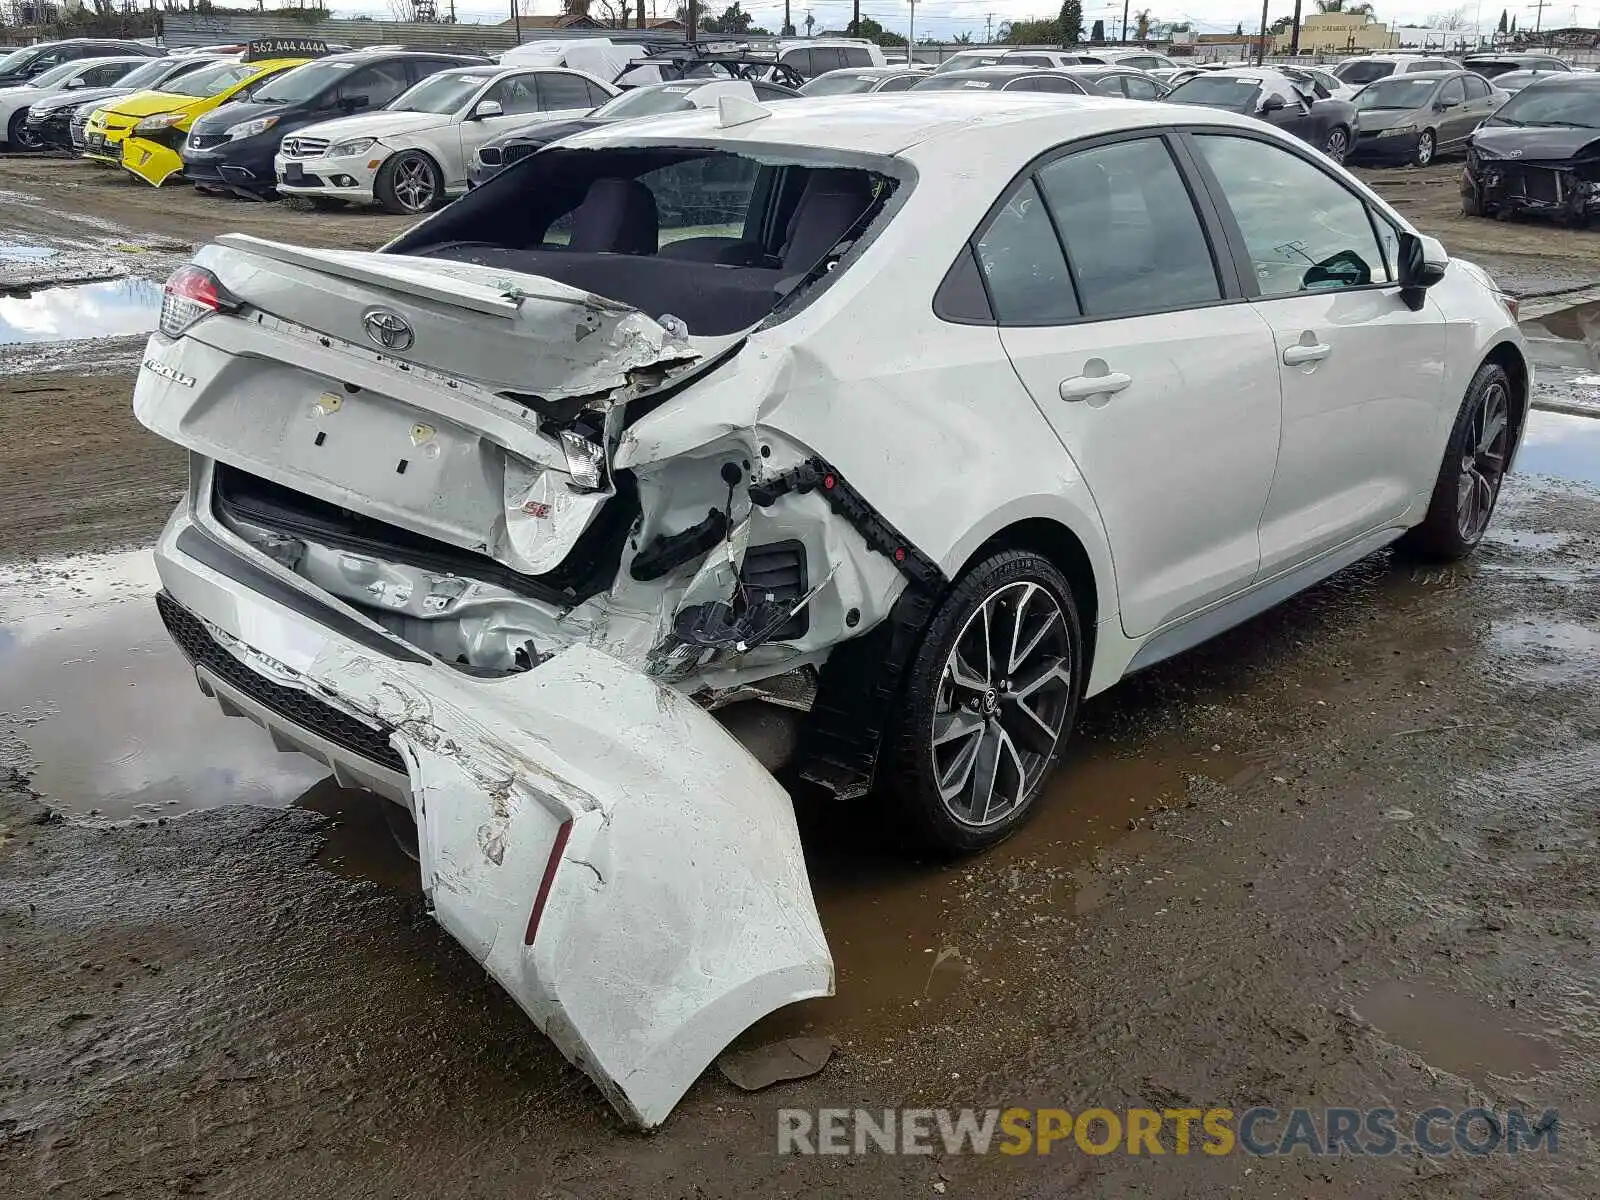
x: 250, y: 128
x: 353, y: 146
x: 157, y: 124
x: 1397, y: 130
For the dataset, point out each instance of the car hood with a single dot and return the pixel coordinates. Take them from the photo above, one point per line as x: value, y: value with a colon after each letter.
x: 1384, y: 118
x: 238, y: 111
x: 543, y: 133
x: 73, y: 99
x: 1539, y: 145
x: 22, y: 97
x: 378, y: 124
x: 149, y: 104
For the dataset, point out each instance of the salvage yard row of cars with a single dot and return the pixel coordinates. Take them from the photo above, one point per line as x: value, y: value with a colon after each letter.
x: 914, y: 419
x: 410, y: 130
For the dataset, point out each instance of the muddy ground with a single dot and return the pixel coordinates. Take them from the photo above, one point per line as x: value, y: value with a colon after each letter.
x: 1348, y: 855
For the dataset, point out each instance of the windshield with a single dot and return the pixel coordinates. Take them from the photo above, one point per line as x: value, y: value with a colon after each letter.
x: 1395, y: 93
x: 302, y: 83
x: 1491, y: 69
x: 951, y: 83
x: 1553, y: 104
x: 1360, y: 72
x: 210, y: 81
x: 56, y: 74
x: 148, y: 75
x: 839, y: 83
x: 441, y: 94
x: 646, y: 102
x: 16, y: 59
x: 966, y: 61
x: 1218, y: 91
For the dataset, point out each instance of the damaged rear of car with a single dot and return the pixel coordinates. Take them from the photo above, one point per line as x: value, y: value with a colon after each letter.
x: 1539, y: 155
x: 491, y: 522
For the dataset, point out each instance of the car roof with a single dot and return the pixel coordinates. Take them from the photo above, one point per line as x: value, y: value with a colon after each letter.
x: 1002, y: 72
x: 1441, y: 73
x: 893, y: 123
x: 874, y: 72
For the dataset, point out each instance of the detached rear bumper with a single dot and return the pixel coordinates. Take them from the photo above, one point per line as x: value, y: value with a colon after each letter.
x: 607, y: 851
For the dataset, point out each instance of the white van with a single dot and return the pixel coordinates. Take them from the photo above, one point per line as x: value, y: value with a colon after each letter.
x: 814, y: 56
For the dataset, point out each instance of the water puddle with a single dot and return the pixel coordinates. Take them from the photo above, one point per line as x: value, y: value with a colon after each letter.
x: 27, y: 268
x: 96, y: 698
x: 1561, y: 444
x: 113, y: 308
x: 1548, y: 651
x: 1457, y: 1033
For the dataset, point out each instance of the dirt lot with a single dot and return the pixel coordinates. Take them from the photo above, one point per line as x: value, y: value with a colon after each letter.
x: 1344, y: 856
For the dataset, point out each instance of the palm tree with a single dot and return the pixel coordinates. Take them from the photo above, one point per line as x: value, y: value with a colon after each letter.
x: 1339, y: 6
x: 1141, y: 28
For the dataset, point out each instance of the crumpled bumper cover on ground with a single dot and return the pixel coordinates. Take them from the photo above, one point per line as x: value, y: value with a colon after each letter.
x: 608, y: 852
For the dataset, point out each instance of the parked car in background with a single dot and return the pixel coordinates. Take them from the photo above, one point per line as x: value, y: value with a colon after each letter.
x: 1412, y: 118
x: 1125, y: 82
x: 1358, y: 72
x: 1327, y: 82
x: 145, y: 132
x: 1013, y: 401
x: 651, y: 100
x: 967, y: 60
x: 811, y: 57
x: 52, y: 120
x: 67, y: 80
x: 1492, y: 66
x: 1002, y: 79
x: 1539, y: 154
x: 21, y: 66
x: 1512, y: 82
x: 1279, y: 98
x: 233, y: 149
x: 412, y: 156
x: 1139, y: 60
x: 858, y: 81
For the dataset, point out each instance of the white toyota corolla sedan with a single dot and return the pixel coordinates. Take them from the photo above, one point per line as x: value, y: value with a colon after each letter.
x: 921, y: 418
x: 412, y: 155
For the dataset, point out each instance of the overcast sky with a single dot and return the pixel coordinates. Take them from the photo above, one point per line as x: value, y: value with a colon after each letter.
x: 947, y: 18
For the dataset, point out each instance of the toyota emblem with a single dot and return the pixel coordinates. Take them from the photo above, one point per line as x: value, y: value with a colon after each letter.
x: 388, y: 329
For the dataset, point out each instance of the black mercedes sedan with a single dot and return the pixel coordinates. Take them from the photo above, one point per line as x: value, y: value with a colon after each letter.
x: 1285, y: 98
x: 1540, y: 154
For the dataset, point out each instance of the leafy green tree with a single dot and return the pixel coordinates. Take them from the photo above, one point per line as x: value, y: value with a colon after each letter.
x: 1069, y: 24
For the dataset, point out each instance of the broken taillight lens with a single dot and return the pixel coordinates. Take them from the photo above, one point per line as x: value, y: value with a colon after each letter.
x: 191, y: 293
x: 563, y: 832
x: 586, y: 461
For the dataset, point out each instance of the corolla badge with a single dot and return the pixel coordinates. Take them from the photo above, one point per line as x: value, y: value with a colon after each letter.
x: 388, y: 329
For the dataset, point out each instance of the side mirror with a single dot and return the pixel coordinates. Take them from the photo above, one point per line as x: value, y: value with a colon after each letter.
x: 1272, y: 104
x: 487, y: 108
x: 76, y: 83
x: 1422, y: 264
x: 351, y: 103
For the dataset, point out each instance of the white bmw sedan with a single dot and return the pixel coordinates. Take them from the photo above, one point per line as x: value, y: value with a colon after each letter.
x: 411, y: 156
x: 922, y: 418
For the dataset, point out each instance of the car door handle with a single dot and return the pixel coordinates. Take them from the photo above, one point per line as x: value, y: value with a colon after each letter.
x: 1081, y: 387
x: 1302, y: 352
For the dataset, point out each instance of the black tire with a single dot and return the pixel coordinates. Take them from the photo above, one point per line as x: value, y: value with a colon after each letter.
x: 1471, y: 206
x: 1337, y: 144
x: 17, y: 135
x: 1484, y: 427
x: 1002, y: 723
x: 1427, y: 147
x: 392, y: 185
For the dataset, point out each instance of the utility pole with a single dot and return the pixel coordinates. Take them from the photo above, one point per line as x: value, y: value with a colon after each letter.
x: 1124, y: 22
x: 1261, y: 44
x: 516, y: 19
x: 911, y: 37
x: 694, y: 21
x: 1294, y: 31
x: 855, y: 19
x: 1538, y: 12
x: 988, y: 30
x: 787, y: 24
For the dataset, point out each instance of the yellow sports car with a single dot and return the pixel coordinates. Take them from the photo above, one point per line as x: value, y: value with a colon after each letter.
x: 144, y: 132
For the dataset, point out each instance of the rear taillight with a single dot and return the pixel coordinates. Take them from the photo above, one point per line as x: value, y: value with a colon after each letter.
x: 1511, y: 304
x: 191, y: 293
x: 545, y: 884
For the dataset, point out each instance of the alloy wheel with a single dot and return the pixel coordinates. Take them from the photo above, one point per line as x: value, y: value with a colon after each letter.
x: 1483, y: 462
x: 1004, y: 698
x: 1338, y: 142
x: 21, y: 137
x: 413, y: 183
x: 1424, y: 149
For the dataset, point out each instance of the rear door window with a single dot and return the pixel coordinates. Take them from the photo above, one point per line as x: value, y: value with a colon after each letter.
x: 857, y: 56
x: 559, y: 91
x: 1022, y: 264
x: 1139, y: 88
x: 1134, y: 239
x: 1477, y: 89
x: 378, y: 84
